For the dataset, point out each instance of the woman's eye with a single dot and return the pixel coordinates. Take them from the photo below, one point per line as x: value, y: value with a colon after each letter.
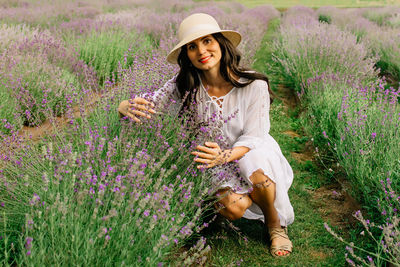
x: 191, y: 47
x: 207, y: 41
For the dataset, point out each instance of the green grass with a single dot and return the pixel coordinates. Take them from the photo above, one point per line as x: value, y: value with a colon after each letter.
x: 317, y: 4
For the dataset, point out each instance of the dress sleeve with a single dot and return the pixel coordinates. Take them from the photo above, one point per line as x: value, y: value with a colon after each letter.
x: 256, y: 116
x: 166, y: 98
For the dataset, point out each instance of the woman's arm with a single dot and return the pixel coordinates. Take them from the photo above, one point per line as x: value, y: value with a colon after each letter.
x: 164, y: 97
x: 235, y: 153
x: 134, y: 108
x: 212, y: 154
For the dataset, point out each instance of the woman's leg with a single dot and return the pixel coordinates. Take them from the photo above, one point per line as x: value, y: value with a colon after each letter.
x: 263, y: 195
x: 231, y: 205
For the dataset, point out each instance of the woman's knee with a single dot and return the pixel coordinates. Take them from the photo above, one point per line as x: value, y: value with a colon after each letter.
x: 258, y: 177
x: 233, y: 212
x: 233, y: 206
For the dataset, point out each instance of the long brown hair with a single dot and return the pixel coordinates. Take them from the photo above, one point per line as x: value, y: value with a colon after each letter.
x: 188, y: 81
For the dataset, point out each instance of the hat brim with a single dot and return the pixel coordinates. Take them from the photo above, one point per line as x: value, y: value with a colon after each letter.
x: 232, y: 36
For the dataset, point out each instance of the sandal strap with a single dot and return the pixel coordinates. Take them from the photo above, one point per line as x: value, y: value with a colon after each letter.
x: 282, y: 247
x: 278, y: 232
x: 287, y: 244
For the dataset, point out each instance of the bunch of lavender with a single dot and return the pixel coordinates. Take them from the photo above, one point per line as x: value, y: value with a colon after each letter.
x: 387, y: 250
x: 306, y: 48
x: 41, y: 75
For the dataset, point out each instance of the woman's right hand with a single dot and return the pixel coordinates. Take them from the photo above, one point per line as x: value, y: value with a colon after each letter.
x: 135, y: 108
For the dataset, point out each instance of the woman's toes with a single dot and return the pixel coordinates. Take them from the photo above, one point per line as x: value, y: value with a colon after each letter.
x: 282, y: 253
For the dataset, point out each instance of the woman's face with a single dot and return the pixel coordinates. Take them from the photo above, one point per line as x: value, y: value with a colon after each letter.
x: 204, y: 53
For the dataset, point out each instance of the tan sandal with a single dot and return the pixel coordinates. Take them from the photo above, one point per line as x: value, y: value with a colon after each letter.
x: 286, y: 243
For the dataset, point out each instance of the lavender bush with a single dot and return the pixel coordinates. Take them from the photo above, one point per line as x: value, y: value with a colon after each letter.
x: 370, y: 139
x: 41, y: 75
x: 306, y: 47
x: 106, y: 50
x: 39, y: 88
x: 383, y: 41
x: 15, y: 34
x: 130, y: 183
x: 384, y: 16
x: 359, y: 125
x: 138, y: 207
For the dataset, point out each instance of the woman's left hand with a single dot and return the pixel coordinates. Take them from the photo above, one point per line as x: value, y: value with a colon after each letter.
x: 211, y: 155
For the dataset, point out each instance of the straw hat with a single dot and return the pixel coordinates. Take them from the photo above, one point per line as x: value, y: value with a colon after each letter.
x: 196, y: 26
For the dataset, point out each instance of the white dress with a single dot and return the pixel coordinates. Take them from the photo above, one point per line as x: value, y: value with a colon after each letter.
x: 250, y: 128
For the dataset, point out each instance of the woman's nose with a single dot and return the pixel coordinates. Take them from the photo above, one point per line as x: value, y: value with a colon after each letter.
x: 201, y: 49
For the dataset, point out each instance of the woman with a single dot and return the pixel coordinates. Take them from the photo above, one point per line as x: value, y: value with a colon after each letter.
x: 208, y: 58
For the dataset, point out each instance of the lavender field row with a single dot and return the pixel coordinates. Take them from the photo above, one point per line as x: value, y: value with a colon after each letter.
x: 333, y: 61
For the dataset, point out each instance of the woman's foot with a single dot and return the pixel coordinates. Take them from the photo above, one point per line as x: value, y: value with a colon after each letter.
x: 281, y: 246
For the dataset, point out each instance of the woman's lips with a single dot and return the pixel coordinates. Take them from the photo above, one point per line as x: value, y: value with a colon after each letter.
x: 204, y: 59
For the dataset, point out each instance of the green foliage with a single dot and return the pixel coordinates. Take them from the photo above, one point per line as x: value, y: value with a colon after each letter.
x: 106, y: 50
x: 324, y: 18
x: 389, y: 63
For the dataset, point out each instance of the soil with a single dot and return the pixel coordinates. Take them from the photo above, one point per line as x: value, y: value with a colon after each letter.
x: 288, y: 97
x: 35, y: 133
x: 335, y: 205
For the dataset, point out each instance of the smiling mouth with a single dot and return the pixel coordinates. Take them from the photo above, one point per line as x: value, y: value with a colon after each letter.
x: 204, y: 59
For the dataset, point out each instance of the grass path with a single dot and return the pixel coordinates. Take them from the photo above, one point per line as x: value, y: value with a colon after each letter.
x: 315, y: 196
